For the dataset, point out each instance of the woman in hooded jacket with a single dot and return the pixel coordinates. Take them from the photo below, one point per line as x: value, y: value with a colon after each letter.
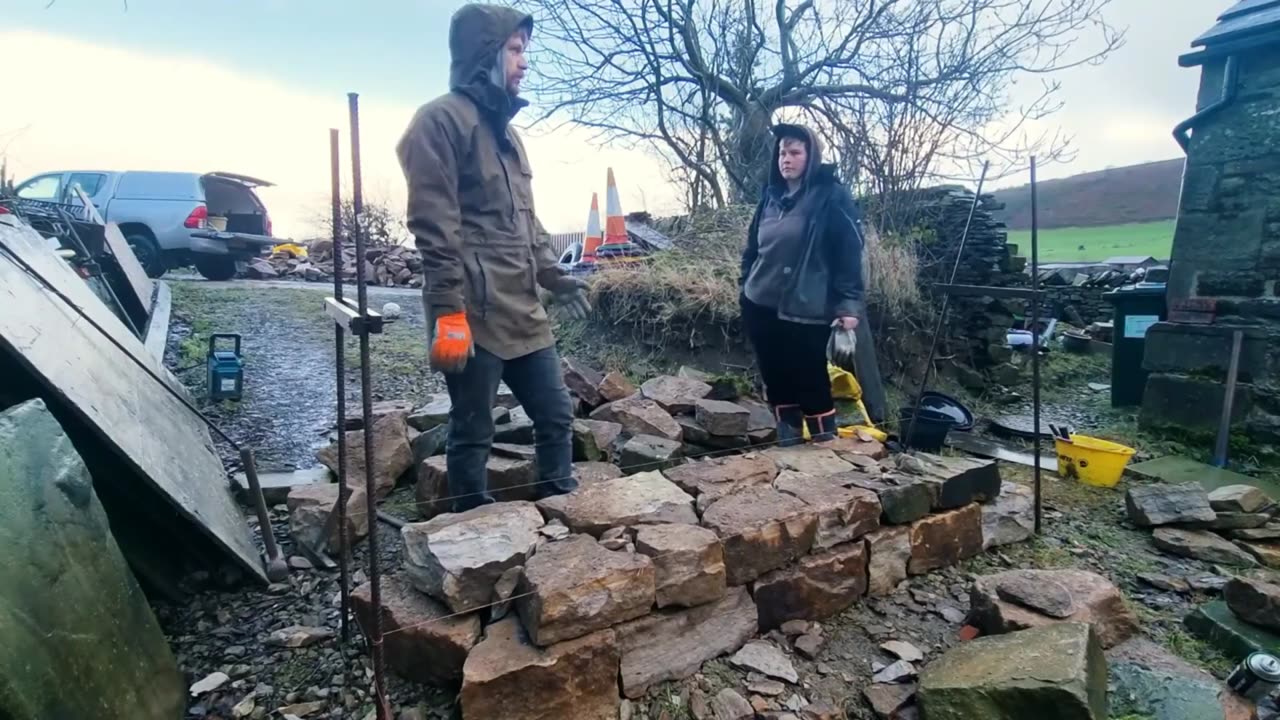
x: 801, y: 277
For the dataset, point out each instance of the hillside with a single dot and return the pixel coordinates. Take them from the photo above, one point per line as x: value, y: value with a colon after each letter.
x: 1115, y: 196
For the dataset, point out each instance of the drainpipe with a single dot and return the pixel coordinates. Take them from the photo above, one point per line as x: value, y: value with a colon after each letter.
x: 1230, y: 86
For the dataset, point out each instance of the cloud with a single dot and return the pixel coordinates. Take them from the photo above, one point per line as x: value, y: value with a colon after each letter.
x: 168, y: 112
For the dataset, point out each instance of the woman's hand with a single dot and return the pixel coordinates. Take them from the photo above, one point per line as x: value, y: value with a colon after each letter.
x: 846, y: 322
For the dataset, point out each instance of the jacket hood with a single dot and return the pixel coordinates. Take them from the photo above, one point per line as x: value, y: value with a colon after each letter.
x: 783, y: 131
x: 477, y: 34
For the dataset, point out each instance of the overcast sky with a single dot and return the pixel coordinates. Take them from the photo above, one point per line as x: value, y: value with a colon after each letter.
x: 252, y: 86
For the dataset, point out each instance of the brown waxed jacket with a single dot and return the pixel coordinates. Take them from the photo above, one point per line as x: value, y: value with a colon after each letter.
x: 470, y: 203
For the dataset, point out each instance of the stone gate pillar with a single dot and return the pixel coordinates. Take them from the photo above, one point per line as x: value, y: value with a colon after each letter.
x: 1225, y: 269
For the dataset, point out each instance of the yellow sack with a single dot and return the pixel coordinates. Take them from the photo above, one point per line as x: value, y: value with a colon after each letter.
x: 844, y: 386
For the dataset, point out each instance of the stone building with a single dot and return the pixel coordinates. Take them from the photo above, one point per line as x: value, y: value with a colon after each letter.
x: 1225, y: 271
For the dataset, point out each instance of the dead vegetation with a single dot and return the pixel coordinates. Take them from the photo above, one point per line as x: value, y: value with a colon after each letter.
x: 695, y: 284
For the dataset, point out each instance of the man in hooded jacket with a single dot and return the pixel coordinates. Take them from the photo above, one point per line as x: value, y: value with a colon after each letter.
x: 484, y: 255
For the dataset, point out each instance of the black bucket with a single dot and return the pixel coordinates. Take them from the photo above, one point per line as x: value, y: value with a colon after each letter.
x: 930, y: 432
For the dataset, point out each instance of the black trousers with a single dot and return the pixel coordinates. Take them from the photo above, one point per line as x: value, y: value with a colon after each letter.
x: 792, y: 358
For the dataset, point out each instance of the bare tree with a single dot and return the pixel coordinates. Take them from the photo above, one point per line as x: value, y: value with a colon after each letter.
x: 383, y: 224
x: 901, y: 89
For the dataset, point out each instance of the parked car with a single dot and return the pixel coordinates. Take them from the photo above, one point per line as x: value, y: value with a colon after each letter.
x: 212, y: 220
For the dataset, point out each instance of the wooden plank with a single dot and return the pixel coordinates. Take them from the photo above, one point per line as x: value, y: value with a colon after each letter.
x: 133, y: 272
x: 157, y: 332
x: 165, y: 444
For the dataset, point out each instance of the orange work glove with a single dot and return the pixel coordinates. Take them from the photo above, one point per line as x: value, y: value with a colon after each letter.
x: 451, y: 344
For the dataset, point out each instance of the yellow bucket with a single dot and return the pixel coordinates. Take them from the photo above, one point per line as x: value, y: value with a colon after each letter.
x: 1092, y: 461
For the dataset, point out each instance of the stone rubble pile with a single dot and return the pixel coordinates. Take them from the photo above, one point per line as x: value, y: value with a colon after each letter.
x: 688, y: 537
x: 388, y: 266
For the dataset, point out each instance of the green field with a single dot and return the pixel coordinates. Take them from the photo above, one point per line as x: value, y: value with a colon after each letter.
x: 1099, y: 243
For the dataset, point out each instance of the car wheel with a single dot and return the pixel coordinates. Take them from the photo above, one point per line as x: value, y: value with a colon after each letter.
x: 216, y: 267
x: 148, y: 254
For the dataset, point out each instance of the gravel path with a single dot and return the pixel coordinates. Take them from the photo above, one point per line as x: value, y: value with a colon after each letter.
x: 289, y: 402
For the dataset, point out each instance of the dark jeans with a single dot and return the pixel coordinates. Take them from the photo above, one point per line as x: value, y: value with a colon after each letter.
x: 536, y: 381
x: 792, y: 358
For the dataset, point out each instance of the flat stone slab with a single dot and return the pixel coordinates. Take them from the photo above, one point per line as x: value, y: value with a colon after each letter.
x: 945, y: 539
x: 582, y: 381
x: 676, y: 395
x: 458, y: 558
x: 714, y: 478
x: 1201, y: 545
x: 645, y: 498
x: 902, y: 500
x: 809, y: 459
x: 640, y: 416
x: 766, y: 659
x: 422, y: 641
x: 888, y: 555
x: 1238, y: 499
x: 588, y: 473
x: 673, y: 644
x: 276, y: 485
x: 843, y: 513
x: 816, y: 587
x: 1155, y: 505
x: 688, y: 562
x: 615, y: 386
x: 1215, y: 624
x: 1243, y: 521
x: 508, y: 678
x: 762, y: 530
x: 1010, y: 518
x: 1266, y: 553
x: 1056, y: 672
x: 574, y: 587
x: 1094, y: 601
x: 509, y: 480
x: 594, y: 439
x: 857, y: 450
x: 433, y: 413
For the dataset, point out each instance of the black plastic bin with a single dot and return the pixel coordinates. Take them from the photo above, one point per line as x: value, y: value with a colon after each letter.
x: 1137, y: 308
x: 931, y: 428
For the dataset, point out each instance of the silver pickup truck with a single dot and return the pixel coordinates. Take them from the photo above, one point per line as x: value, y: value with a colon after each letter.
x: 212, y: 220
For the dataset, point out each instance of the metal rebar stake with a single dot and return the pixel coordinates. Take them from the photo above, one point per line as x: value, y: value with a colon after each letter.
x: 1035, y: 341
x: 340, y: 383
x: 366, y: 401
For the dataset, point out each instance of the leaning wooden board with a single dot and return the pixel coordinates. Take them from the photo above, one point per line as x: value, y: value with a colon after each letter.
x: 160, y: 439
x: 133, y: 272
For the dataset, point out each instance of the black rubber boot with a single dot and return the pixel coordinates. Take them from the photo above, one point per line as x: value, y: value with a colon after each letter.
x: 790, y: 425
x: 821, y: 427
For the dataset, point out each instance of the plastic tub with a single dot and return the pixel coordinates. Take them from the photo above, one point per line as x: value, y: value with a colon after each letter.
x: 1092, y: 461
x: 931, y: 428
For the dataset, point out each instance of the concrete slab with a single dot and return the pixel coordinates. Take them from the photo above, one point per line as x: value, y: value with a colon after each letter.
x: 276, y: 485
x: 1216, y: 624
x: 1174, y: 470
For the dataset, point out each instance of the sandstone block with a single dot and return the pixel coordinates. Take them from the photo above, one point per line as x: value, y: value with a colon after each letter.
x: 945, y: 539
x: 574, y: 587
x: 902, y: 500
x: 762, y: 530
x: 1022, y: 675
x: 888, y: 555
x: 817, y: 587
x: 615, y: 386
x: 641, y: 499
x: 843, y: 513
x: 958, y: 481
x: 433, y: 414
x: 676, y: 395
x: 673, y: 644
x: 1094, y: 601
x: 688, y: 562
x: 421, y: 643
x: 458, y: 558
x: 1011, y: 518
x: 647, y: 452
x: 1200, y: 545
x: 309, y: 507
x: 392, y: 455
x: 722, y: 418
x: 639, y: 416
x: 809, y: 459
x: 594, y: 472
x: 582, y: 381
x: 1254, y: 601
x: 1238, y: 499
x: 715, y: 478
x: 509, y: 480
x: 508, y: 678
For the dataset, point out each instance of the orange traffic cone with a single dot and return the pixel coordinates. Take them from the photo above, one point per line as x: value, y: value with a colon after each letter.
x: 594, y: 237
x: 615, y: 226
